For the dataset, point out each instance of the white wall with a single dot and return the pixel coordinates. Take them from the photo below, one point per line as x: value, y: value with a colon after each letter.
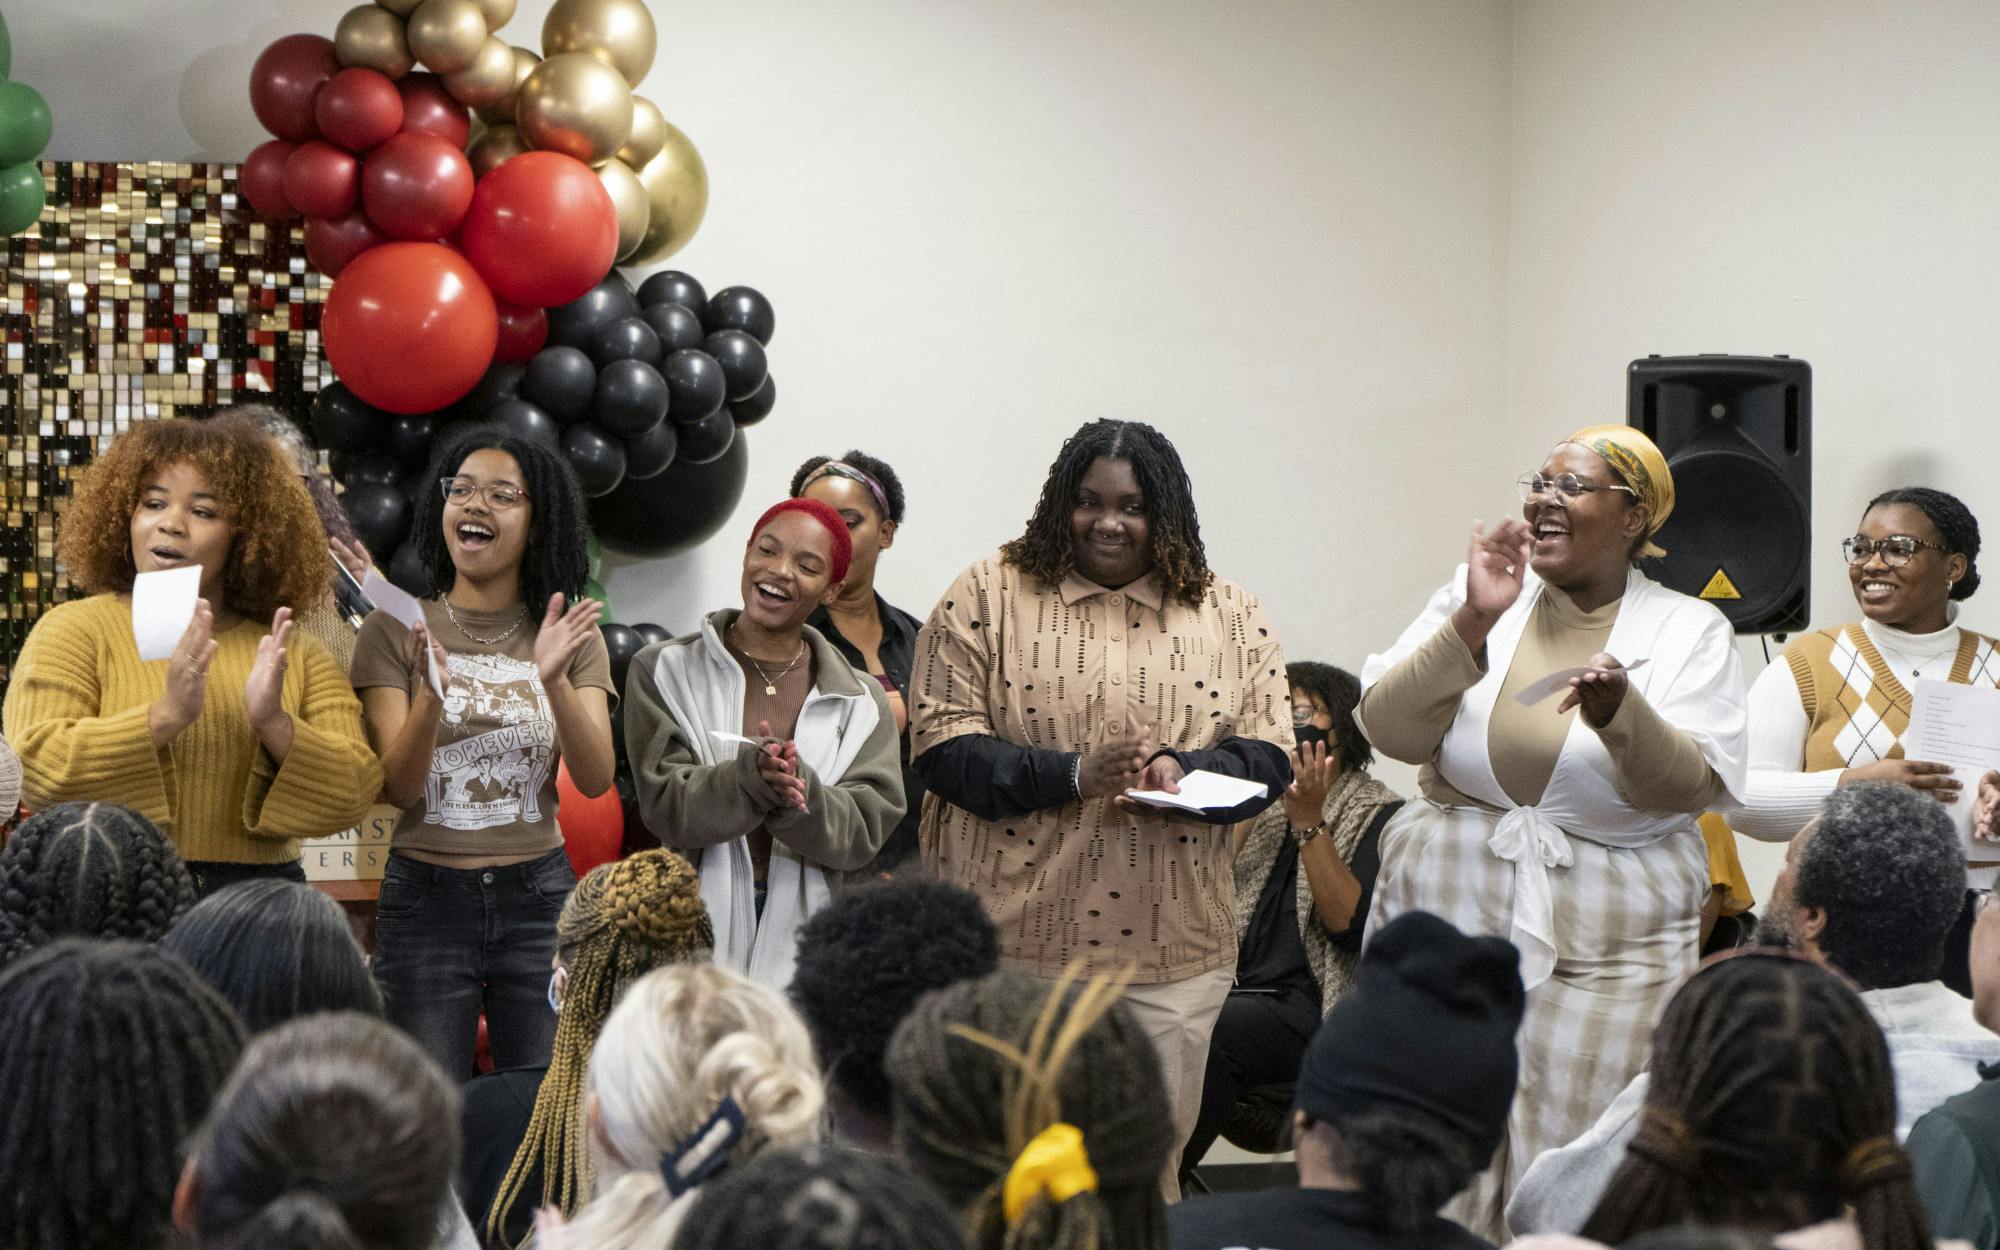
x: 1813, y: 177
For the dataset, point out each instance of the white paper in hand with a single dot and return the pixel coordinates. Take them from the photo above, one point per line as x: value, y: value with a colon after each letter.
x: 1560, y: 680
x: 1960, y: 726
x: 162, y: 606
x: 402, y: 605
x: 733, y: 739
x: 1203, y: 791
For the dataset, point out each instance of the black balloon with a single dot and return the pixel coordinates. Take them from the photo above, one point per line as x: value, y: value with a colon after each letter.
x: 559, y: 381
x: 410, y: 438
x: 341, y: 422
x: 622, y: 642
x: 649, y: 454
x: 749, y: 412
x: 671, y: 286
x: 651, y: 633
x: 678, y: 326
x: 597, y: 457
x: 407, y: 570
x: 414, y: 488
x: 741, y: 308
x: 522, y: 419
x: 695, y: 381
x: 631, y: 398
x: 339, y: 462
x: 628, y: 338
x: 375, y: 468
x: 744, y: 366
x: 572, y: 324
x: 678, y: 510
x: 380, y: 516
x: 707, y: 439
x: 502, y: 381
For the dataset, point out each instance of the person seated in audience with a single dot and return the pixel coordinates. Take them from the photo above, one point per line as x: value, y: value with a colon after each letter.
x: 336, y: 1130
x: 1835, y: 709
x: 114, y: 1051
x: 1304, y: 876
x: 88, y: 870
x: 524, y: 1127
x: 1402, y: 1099
x: 1871, y: 890
x: 1772, y: 1108
x: 698, y: 1069
x: 818, y: 1198
x: 248, y: 738
x: 276, y: 950
x: 1955, y: 1148
x: 863, y: 963
x: 877, y: 638
x: 1038, y: 1112
x: 775, y: 824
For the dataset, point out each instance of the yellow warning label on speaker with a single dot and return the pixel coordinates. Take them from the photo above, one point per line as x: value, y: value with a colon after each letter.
x: 1720, y: 587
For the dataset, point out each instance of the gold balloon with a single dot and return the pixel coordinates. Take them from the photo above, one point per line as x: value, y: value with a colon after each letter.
x: 574, y: 104
x: 524, y: 65
x: 488, y: 80
x: 676, y: 185
x: 498, y: 12
x: 649, y: 133
x: 493, y: 146
x: 618, y: 32
x: 628, y: 196
x: 401, y: 8
x: 372, y: 37
x: 446, y: 35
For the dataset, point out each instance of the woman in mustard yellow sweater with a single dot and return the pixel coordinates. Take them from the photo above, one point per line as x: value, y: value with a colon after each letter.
x: 247, y: 739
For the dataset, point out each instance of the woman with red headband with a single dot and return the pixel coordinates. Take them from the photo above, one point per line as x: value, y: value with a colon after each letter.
x: 760, y: 752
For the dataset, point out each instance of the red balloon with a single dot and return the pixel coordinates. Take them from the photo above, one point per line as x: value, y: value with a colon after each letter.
x: 417, y: 186
x: 593, y: 830
x: 263, y: 179
x: 321, y: 180
x: 284, y: 80
x: 523, y: 331
x: 542, y: 229
x: 429, y: 107
x: 409, y: 327
x: 333, y: 242
x: 358, y: 108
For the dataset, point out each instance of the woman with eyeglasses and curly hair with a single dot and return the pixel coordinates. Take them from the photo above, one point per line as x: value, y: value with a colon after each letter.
x: 1835, y: 706
x: 248, y: 738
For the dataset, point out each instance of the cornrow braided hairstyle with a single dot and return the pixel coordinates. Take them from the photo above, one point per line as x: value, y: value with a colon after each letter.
x: 1772, y: 1107
x: 1047, y: 551
x: 88, y: 870
x: 815, y: 1198
x: 623, y: 920
x: 980, y: 1069
x: 114, y: 1053
x: 1955, y: 525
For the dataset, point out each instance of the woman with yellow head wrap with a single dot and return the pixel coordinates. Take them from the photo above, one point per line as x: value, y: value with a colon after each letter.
x: 1573, y: 718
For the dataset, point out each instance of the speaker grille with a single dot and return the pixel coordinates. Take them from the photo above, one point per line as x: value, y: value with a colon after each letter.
x: 1736, y: 515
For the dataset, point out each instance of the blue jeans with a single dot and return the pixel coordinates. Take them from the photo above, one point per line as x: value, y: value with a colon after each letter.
x: 453, y: 942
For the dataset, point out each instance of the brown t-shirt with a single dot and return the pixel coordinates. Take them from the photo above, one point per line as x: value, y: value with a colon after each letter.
x: 492, y: 784
x: 780, y: 712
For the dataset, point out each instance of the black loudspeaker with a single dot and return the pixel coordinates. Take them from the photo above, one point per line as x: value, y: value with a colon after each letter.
x: 1737, y: 433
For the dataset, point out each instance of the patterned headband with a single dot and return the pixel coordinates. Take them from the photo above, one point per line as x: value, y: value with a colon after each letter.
x: 840, y: 468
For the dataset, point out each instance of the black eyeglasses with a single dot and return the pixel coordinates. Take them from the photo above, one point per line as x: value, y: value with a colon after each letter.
x: 1568, y: 486
x: 1897, y: 550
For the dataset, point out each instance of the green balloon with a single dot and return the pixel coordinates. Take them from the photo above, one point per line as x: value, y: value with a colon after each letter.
x: 24, y: 123
x: 21, y: 198
x: 594, y: 555
x: 592, y: 590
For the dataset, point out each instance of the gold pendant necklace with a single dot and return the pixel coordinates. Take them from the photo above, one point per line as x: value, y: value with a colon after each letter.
x: 770, y: 682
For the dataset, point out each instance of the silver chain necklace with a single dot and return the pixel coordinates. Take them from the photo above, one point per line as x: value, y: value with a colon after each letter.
x: 484, y: 642
x: 770, y: 682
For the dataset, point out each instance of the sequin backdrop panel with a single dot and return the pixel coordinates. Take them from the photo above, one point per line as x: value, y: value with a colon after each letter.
x: 146, y: 291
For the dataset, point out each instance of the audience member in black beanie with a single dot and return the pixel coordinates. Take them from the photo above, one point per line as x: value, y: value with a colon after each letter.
x: 1401, y: 1101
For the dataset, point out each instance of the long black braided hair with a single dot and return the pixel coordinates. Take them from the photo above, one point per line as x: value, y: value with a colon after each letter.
x: 88, y: 870
x: 114, y: 1052
x: 1048, y: 552
x: 1955, y: 524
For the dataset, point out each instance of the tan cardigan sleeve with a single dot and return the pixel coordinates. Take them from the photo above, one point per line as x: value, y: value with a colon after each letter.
x: 1660, y: 769
x: 1407, y: 713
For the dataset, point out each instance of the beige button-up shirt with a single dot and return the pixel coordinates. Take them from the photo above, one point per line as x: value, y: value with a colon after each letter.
x: 1064, y: 669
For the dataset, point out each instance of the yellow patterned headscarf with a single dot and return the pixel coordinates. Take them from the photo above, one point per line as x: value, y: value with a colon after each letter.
x: 1639, y: 464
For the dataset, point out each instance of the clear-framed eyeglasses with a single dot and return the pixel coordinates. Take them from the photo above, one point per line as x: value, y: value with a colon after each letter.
x: 1567, y: 487
x: 1896, y: 550
x: 499, y: 496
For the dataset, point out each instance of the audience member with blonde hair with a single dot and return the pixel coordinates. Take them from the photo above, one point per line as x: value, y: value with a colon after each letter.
x: 698, y: 1069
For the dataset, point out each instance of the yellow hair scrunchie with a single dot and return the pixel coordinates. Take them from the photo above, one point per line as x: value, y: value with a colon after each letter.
x: 1053, y: 1163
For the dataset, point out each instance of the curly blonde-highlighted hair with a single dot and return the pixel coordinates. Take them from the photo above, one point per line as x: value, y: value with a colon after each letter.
x: 277, y: 550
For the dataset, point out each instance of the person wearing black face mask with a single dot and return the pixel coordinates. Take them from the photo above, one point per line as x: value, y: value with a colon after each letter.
x: 1304, y: 876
